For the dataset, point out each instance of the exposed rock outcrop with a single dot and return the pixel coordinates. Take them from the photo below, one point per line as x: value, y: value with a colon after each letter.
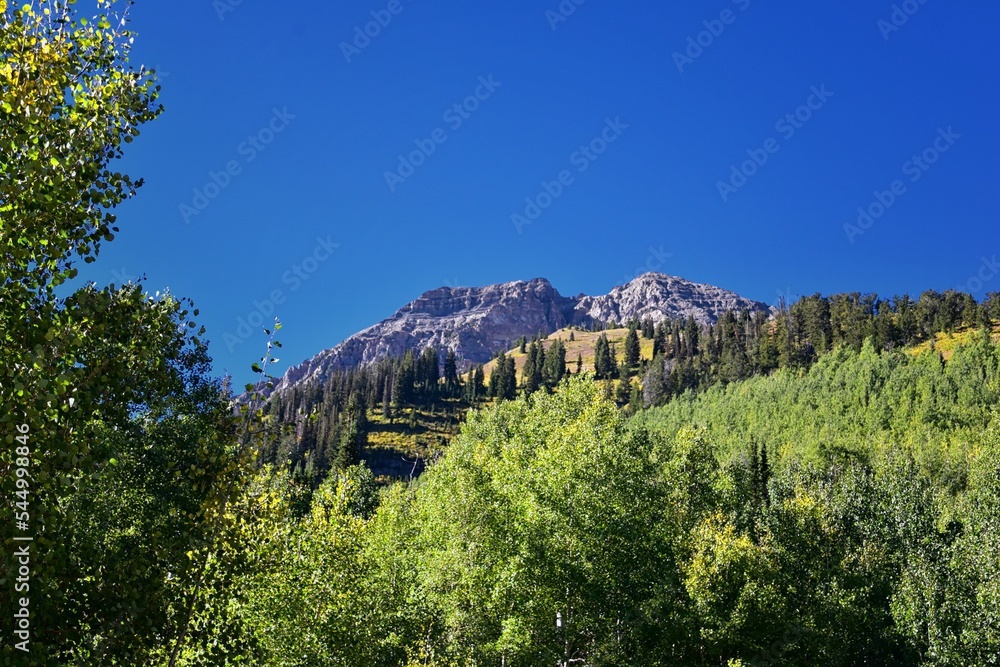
x: 476, y: 322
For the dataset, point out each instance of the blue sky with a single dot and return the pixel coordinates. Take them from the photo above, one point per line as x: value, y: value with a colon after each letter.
x: 727, y: 142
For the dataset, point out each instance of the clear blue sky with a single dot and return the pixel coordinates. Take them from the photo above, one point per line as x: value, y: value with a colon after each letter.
x: 554, y: 86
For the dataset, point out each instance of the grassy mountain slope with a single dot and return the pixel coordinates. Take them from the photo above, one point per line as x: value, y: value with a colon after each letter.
x: 583, y: 344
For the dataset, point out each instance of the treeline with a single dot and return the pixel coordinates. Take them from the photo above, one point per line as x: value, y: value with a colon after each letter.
x: 325, y: 422
x: 742, y: 345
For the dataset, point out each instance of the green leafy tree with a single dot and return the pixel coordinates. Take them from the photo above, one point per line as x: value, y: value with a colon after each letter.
x: 559, y: 497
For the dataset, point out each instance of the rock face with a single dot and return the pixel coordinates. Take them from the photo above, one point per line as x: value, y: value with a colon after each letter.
x: 475, y: 322
x: 659, y: 297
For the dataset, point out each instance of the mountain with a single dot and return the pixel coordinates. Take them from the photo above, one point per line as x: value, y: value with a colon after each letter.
x: 659, y: 297
x: 476, y: 322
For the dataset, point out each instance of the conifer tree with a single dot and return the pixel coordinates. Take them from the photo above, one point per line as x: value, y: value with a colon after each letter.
x: 605, y: 365
x: 508, y: 388
x: 387, y: 400
x: 451, y: 381
x: 677, y: 345
x: 478, y: 385
x: 660, y: 340
x: 428, y: 370
x: 554, y: 367
x: 528, y: 371
x: 632, y: 349
x: 402, y: 388
x: 992, y: 307
x: 600, y: 358
x: 648, y: 330
x: 691, y: 335
x: 354, y: 435
x: 496, y: 375
x: 533, y: 367
x: 503, y: 380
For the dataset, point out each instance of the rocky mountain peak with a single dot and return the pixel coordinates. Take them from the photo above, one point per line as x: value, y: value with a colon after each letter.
x: 659, y: 297
x: 476, y: 322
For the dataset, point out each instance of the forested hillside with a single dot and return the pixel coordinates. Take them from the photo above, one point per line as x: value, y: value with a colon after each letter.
x: 413, y: 405
x: 845, y: 516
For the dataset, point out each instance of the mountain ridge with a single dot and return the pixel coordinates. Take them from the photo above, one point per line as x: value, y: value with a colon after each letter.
x: 477, y: 322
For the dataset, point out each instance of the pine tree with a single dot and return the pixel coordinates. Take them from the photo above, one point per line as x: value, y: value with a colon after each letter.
x: 648, y: 330
x: 601, y: 358
x: 387, y: 400
x: 503, y: 380
x: 402, y: 388
x: 605, y: 364
x: 992, y: 307
x: 660, y: 340
x: 508, y: 388
x: 691, y: 337
x: 555, y: 364
x: 497, y: 375
x: 478, y: 383
x: 528, y: 372
x: 451, y: 381
x: 677, y: 348
x: 354, y: 435
x: 532, y: 371
x: 428, y: 370
x: 632, y: 349
x: 579, y: 363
